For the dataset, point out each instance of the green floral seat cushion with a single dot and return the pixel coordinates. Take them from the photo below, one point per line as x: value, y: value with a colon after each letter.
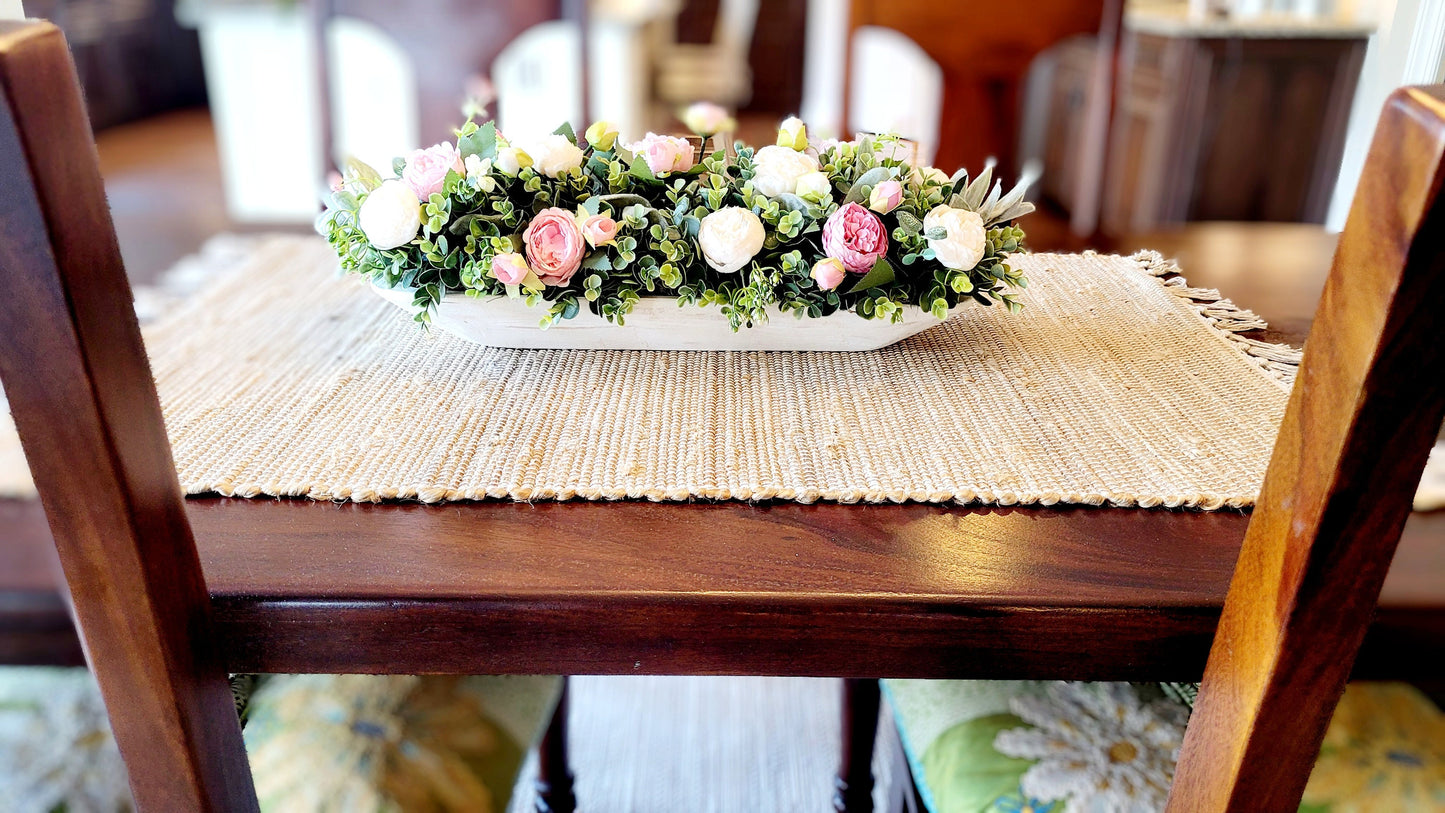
x: 316, y: 742
x: 56, y: 750
x: 1019, y: 746
x: 362, y: 743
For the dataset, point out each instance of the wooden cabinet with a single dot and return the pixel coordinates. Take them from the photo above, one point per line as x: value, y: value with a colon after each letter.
x: 1211, y: 126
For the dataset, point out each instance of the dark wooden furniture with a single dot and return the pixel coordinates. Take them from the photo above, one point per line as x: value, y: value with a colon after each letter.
x: 985, y: 50
x: 171, y: 593
x: 1361, y: 419
x: 452, y: 43
x: 1208, y: 125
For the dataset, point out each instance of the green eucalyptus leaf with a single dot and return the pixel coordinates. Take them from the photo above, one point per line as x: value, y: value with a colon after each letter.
x: 565, y: 129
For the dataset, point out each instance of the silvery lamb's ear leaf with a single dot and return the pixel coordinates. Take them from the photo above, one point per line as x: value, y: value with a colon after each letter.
x: 973, y: 196
x: 1014, y: 212
x: 867, y: 180
x: 993, y: 196
x: 1012, y: 205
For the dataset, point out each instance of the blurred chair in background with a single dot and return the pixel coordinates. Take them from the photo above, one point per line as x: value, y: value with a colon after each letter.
x: 985, y: 52
x: 449, y: 50
x: 716, y: 70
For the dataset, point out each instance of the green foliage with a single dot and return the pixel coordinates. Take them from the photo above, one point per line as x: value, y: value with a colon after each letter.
x: 656, y: 250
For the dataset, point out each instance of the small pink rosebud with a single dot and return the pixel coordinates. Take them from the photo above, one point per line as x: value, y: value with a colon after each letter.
x: 829, y: 273
x: 599, y: 230
x: 886, y: 197
x: 510, y: 268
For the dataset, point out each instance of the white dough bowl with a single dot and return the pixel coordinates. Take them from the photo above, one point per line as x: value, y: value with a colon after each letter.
x: 657, y: 323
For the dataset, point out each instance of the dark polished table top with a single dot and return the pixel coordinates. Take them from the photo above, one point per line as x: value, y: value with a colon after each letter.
x: 905, y: 590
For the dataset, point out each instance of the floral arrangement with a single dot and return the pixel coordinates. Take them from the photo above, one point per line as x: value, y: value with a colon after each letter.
x: 568, y: 222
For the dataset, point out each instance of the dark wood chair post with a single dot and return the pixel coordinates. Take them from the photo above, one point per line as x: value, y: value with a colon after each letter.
x: 81, y: 392
x: 1360, y: 422
x: 555, y: 791
x: 853, y: 786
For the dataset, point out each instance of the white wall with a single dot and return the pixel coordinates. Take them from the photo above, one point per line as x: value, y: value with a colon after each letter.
x: 10, y: 10
x: 1407, y: 49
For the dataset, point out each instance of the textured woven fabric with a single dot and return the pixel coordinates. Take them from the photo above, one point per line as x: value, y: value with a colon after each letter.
x: 1116, y: 384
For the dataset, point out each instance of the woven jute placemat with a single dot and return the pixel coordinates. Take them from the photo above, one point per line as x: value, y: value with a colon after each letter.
x: 1117, y: 384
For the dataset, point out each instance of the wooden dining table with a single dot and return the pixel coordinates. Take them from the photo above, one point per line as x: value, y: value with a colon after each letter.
x: 912, y: 590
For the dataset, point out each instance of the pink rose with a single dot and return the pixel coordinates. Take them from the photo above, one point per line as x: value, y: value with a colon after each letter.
x: 599, y: 230
x: 664, y: 153
x: 554, y: 245
x: 426, y: 170
x: 829, y: 273
x: 886, y: 197
x: 856, y: 237
x: 509, y: 268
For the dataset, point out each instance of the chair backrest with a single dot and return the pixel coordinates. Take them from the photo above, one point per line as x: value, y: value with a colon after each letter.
x: 984, y: 51
x: 1365, y: 410
x: 75, y: 370
x: 448, y: 44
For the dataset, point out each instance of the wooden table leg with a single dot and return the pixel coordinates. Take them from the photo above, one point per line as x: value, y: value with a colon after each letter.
x: 555, y: 793
x: 853, y: 786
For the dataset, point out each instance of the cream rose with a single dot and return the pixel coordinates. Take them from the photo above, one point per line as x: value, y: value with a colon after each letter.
x: 729, y: 238
x: 793, y: 134
x: 815, y: 187
x: 777, y: 170
x: 554, y: 155
x: 511, y: 160
x: 964, y: 240
x: 391, y: 215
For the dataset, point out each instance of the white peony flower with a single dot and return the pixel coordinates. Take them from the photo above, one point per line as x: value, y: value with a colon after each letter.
x: 777, y: 170
x: 964, y: 240
x: 554, y: 155
x: 815, y: 187
x: 729, y: 238
x: 510, y: 160
x: 1097, y: 746
x: 391, y: 215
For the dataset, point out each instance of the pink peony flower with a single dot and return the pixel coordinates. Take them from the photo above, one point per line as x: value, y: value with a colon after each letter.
x: 856, y: 237
x: 509, y: 268
x: 886, y: 197
x: 664, y: 153
x: 554, y: 245
x: 426, y: 170
x: 599, y: 230
x: 829, y: 273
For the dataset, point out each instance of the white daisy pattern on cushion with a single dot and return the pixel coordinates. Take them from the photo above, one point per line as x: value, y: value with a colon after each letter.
x: 1099, y: 747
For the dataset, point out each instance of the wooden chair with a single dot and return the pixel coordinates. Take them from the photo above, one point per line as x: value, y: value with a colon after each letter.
x: 1362, y: 417
x: 455, y: 42
x: 985, y: 50
x: 640, y: 588
x: 125, y: 544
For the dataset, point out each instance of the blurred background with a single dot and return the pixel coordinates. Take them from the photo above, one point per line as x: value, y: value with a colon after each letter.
x: 224, y: 115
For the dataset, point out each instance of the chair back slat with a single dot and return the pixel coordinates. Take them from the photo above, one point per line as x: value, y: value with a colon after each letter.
x: 1365, y: 410
x: 85, y: 405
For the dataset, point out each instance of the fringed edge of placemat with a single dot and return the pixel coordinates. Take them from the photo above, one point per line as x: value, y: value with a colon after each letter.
x: 1280, y: 361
